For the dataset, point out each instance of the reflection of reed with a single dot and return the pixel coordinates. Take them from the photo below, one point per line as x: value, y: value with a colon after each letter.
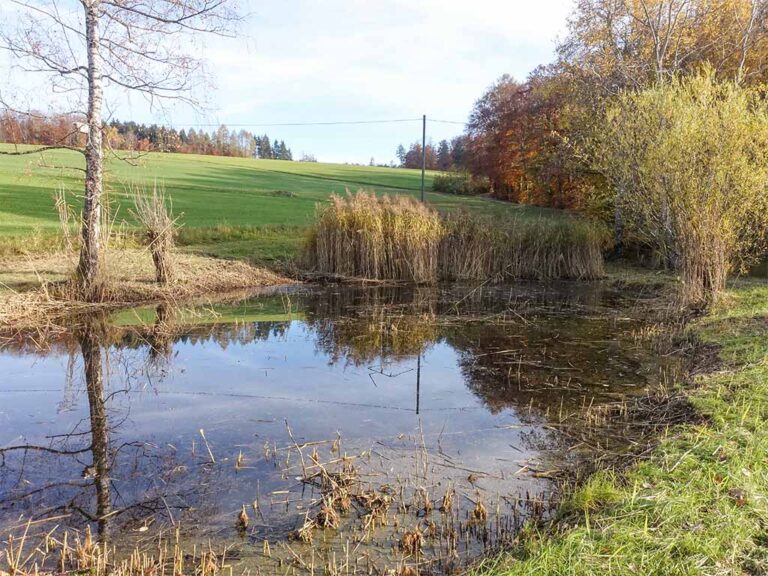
x: 379, y: 335
x: 161, y: 337
x: 365, y: 326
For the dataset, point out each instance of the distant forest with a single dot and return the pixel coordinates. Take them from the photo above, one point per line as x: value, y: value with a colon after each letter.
x: 62, y: 130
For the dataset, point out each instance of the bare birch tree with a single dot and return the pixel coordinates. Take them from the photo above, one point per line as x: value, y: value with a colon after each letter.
x: 87, y: 47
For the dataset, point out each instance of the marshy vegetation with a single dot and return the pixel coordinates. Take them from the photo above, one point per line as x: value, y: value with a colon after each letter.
x: 385, y: 238
x: 494, y: 249
x: 366, y: 236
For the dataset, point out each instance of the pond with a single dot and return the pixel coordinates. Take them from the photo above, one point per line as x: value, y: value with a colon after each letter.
x: 345, y: 429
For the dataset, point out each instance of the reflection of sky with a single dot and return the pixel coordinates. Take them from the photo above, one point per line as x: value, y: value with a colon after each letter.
x: 497, y: 365
x: 241, y: 383
x: 242, y: 395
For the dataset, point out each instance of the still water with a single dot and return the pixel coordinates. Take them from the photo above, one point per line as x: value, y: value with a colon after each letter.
x: 338, y: 420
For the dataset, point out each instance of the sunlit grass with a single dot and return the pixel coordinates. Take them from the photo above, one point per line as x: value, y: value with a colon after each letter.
x: 699, y: 504
x: 256, y: 210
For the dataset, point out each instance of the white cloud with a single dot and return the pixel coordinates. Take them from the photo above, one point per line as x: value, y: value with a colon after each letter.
x: 324, y: 60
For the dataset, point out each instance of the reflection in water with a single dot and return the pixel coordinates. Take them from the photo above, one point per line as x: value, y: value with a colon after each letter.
x: 94, y: 383
x: 426, y: 391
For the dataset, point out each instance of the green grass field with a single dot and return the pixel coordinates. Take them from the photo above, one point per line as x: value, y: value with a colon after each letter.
x: 228, y: 206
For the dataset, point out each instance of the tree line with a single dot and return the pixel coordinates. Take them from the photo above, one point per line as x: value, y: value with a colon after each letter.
x: 526, y: 135
x: 64, y: 129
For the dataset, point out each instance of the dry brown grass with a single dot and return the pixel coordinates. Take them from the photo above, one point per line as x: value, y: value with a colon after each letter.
x: 31, y: 552
x: 477, y: 249
x: 363, y: 236
x: 36, y: 289
x: 155, y: 214
x: 381, y: 238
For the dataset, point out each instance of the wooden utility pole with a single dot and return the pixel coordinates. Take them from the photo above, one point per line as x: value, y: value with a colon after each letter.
x: 423, y: 152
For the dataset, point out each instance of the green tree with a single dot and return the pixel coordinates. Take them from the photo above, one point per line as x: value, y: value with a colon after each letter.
x: 444, y: 161
x: 401, y: 154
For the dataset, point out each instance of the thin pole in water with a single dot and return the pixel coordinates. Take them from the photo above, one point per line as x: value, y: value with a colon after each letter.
x: 423, y: 152
x: 418, y: 383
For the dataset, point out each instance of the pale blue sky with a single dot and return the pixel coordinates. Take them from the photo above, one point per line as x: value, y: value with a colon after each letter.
x: 342, y: 60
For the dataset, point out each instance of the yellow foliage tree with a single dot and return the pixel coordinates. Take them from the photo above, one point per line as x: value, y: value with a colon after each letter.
x: 688, y: 161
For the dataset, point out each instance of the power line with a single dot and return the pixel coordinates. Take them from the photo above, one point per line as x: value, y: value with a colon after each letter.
x: 446, y: 121
x: 330, y: 123
x: 336, y: 123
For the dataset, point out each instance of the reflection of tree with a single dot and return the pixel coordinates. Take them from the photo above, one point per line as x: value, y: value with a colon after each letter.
x: 60, y: 478
x: 94, y: 382
x: 71, y: 495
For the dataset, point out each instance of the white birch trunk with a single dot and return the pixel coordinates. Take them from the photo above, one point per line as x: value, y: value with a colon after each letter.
x: 90, y: 257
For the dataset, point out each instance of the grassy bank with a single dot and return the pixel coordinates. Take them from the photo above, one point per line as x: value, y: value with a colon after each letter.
x: 35, y: 291
x: 699, y: 503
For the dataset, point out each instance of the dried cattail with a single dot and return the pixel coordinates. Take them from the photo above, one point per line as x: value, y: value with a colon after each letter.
x: 412, y: 542
x: 242, y: 518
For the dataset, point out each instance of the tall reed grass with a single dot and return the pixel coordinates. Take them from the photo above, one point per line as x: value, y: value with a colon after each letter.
x: 155, y: 214
x: 397, y: 238
x: 384, y: 238
x: 480, y: 248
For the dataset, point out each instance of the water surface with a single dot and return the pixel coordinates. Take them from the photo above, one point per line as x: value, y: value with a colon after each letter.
x: 154, y: 418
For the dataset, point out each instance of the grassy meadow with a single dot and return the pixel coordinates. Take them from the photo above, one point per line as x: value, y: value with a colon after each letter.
x: 230, y: 207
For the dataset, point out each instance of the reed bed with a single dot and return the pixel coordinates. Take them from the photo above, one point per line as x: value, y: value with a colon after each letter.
x: 380, y: 238
x: 476, y: 248
x: 34, y: 551
x: 383, y: 238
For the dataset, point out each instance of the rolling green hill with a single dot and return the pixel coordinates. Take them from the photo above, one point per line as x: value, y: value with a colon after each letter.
x: 232, y: 207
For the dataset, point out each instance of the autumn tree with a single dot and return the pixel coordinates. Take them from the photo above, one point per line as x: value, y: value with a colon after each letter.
x: 691, y: 157
x: 622, y: 44
x: 444, y: 161
x: 413, y: 156
x: 87, y: 47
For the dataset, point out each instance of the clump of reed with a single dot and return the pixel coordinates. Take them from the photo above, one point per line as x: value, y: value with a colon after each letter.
x: 481, y: 248
x: 382, y: 238
x: 397, y: 238
x: 155, y: 215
